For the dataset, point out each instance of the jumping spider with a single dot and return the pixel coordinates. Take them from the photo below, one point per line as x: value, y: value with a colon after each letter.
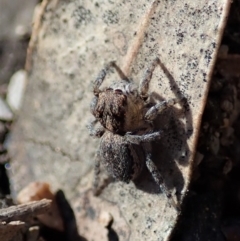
x: 126, y: 128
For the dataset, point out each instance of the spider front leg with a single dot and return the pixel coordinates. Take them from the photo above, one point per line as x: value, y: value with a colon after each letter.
x: 157, y: 176
x: 119, y: 71
x: 99, y: 80
x: 144, y: 84
x: 102, y: 74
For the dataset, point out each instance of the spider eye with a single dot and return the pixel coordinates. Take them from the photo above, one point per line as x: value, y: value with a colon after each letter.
x: 145, y: 98
x: 118, y: 91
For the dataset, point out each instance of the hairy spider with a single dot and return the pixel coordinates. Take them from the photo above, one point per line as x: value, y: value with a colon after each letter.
x: 126, y: 128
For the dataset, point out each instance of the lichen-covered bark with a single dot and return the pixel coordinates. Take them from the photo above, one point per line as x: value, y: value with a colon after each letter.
x: 72, y: 42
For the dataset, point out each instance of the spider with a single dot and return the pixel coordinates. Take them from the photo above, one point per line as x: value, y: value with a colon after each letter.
x: 125, y: 127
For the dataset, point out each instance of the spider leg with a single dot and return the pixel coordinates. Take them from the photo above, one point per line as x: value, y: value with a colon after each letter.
x: 119, y: 71
x: 102, y: 74
x: 95, y: 131
x: 97, y: 185
x: 158, y: 177
x: 99, y: 80
x: 96, y: 174
x: 155, y: 110
x: 144, y: 84
x: 137, y: 139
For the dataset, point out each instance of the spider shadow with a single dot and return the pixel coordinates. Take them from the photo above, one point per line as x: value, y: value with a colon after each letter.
x: 172, y: 151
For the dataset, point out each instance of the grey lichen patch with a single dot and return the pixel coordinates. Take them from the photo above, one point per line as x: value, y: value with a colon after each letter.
x: 81, y: 16
x: 110, y: 17
x: 75, y: 39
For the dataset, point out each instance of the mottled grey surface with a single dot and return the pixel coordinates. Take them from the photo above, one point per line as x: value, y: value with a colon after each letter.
x: 76, y: 39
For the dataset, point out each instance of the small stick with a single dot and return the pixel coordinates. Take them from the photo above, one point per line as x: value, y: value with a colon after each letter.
x: 24, y: 211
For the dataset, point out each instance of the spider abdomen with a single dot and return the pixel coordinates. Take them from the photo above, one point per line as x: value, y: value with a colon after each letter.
x: 120, y: 157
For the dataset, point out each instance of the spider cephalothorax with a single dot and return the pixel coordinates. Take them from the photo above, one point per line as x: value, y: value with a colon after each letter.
x: 120, y: 108
x: 126, y: 129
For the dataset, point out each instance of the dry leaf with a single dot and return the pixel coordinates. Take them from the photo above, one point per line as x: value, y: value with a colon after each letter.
x: 73, y: 40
